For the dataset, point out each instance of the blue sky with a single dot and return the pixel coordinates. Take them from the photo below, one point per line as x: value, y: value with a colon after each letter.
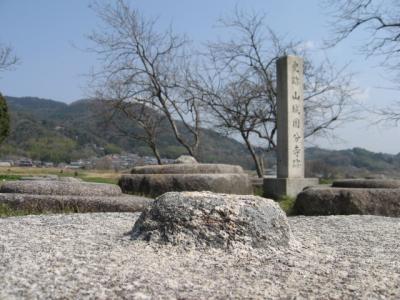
x: 49, y: 35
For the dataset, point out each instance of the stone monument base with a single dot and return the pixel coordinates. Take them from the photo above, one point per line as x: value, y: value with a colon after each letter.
x: 277, y: 187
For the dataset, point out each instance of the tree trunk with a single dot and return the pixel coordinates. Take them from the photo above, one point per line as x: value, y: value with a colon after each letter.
x: 156, y: 153
x: 259, y: 168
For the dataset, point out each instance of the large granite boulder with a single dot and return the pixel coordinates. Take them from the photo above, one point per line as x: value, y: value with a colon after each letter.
x: 204, y: 219
x: 157, y: 180
x: 348, y: 201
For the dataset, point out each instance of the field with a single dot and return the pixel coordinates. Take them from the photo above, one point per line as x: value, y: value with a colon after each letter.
x: 15, y: 173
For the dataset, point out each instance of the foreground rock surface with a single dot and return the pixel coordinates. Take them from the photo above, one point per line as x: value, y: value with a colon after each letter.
x: 348, y: 201
x: 204, y: 219
x: 81, y: 256
x: 157, y: 184
x: 70, y: 203
x: 55, y: 187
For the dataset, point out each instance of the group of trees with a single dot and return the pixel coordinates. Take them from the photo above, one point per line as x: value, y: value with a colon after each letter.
x: 230, y: 85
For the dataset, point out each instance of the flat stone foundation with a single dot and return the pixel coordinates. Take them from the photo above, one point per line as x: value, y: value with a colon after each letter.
x: 348, y: 201
x: 189, y: 169
x: 367, y: 183
x: 277, y: 187
x: 61, y: 188
x: 157, y: 184
x: 72, y: 203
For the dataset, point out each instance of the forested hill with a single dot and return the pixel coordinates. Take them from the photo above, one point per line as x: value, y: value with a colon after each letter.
x: 54, y: 131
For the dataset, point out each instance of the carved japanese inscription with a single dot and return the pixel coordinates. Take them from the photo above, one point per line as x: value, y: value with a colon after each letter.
x: 290, y: 148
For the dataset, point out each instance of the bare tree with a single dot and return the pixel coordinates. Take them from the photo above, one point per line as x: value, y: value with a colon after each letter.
x: 150, y: 66
x: 148, y: 120
x: 238, y: 85
x: 380, y: 20
x: 7, y: 58
x: 113, y: 103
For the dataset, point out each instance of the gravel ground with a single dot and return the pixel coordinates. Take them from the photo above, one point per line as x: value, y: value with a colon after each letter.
x: 90, y: 256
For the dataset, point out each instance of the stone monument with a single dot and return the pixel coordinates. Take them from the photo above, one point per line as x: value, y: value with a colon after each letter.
x: 290, y: 124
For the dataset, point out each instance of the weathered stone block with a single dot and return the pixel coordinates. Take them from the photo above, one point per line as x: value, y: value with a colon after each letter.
x: 203, y: 219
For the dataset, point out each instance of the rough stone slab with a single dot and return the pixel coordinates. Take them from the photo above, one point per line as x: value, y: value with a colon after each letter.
x: 80, y: 256
x: 277, y: 187
x: 346, y: 201
x: 188, y: 169
x: 49, y: 187
x: 367, y: 183
x: 157, y: 184
x: 56, y: 204
x: 204, y: 219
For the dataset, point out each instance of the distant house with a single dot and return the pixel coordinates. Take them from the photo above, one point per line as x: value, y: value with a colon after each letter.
x: 5, y: 164
x: 76, y: 165
x: 24, y: 163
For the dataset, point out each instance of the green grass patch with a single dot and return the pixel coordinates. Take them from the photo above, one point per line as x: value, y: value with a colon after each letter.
x: 287, y: 204
x: 7, y: 177
x: 7, y: 211
x: 99, y: 179
x: 258, y: 191
x: 325, y: 181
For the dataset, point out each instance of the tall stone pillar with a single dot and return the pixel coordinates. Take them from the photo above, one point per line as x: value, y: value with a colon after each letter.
x: 290, y: 117
x: 290, y: 124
